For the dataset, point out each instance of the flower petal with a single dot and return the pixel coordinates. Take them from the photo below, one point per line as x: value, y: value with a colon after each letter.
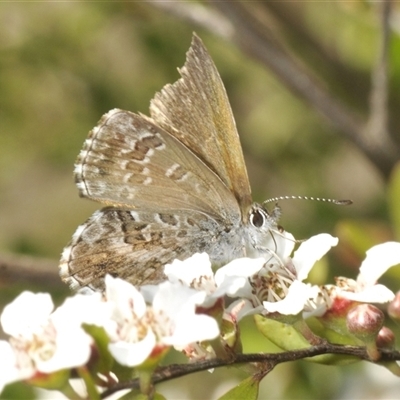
x: 132, y: 354
x: 379, y: 259
x: 190, y: 269
x: 311, y: 251
x: 232, y: 279
x: 190, y: 329
x: 243, y: 267
x: 125, y: 297
x: 173, y: 298
x: 234, y: 286
x: 88, y: 308
x: 28, y: 312
x: 284, y: 244
x: 293, y: 303
x: 8, y: 371
x: 371, y: 294
x: 242, y: 308
x: 65, y: 355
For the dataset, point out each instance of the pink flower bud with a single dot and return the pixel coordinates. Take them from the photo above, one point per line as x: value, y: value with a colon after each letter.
x: 364, y: 321
x: 386, y: 338
x: 394, y: 308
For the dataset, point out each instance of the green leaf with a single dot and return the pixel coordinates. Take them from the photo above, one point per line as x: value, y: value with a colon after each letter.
x: 91, y: 388
x: 123, y: 372
x: 159, y: 396
x: 282, y: 335
x: 288, y: 338
x: 18, y: 391
x: 229, y: 332
x: 55, y: 380
x: 246, y: 390
x: 104, y: 361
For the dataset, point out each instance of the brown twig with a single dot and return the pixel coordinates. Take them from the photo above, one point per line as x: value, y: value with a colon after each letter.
x: 318, y: 54
x: 199, y: 15
x: 29, y: 270
x: 376, y: 132
x: 250, y: 36
x: 270, y: 359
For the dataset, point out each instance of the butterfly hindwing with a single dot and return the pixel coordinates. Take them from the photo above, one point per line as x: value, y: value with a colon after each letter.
x: 134, y: 245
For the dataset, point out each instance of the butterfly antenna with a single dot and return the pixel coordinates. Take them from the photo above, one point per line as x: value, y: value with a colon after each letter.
x: 332, y: 201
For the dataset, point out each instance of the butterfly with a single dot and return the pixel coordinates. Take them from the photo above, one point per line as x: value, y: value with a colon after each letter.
x: 174, y: 184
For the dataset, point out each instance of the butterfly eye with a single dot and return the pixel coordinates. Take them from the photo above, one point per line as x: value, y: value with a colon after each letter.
x: 257, y: 218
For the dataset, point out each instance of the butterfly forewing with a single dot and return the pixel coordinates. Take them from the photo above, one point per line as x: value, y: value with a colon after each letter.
x: 196, y: 110
x: 128, y: 161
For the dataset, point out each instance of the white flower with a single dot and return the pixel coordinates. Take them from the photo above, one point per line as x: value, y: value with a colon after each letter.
x: 67, y: 321
x: 196, y: 272
x: 174, y: 309
x: 42, y: 342
x: 264, y: 285
x: 10, y: 371
x: 310, y: 252
x: 140, y: 329
x: 25, y: 313
x: 82, y: 308
x: 294, y: 301
x: 275, y: 285
x: 235, y: 276
x: 366, y: 289
x: 131, y: 339
x: 320, y: 301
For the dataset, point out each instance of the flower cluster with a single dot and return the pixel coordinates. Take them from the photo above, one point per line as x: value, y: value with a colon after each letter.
x: 41, y: 338
x: 44, y: 341
x: 189, y: 312
x: 275, y: 288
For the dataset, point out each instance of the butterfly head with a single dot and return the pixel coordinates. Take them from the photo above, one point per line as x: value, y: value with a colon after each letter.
x: 261, y: 227
x: 260, y: 217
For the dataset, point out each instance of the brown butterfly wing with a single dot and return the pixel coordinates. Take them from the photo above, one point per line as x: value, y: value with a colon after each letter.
x: 135, y: 245
x: 196, y: 110
x: 129, y: 161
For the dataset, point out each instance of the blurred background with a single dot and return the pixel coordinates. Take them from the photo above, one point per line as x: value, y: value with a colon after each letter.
x: 314, y: 90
